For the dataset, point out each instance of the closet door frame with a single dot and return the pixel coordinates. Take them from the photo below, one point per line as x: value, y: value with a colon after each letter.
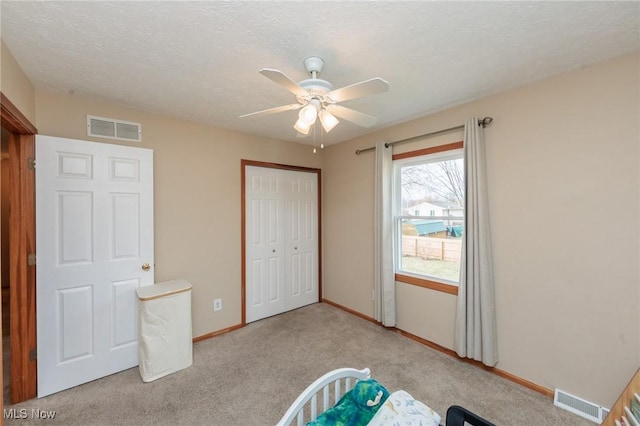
x: 243, y: 164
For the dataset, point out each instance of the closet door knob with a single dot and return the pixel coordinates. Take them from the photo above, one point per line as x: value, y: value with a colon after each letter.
x: 145, y: 267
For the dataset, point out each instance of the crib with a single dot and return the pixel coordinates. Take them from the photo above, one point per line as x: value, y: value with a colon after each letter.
x: 329, y: 392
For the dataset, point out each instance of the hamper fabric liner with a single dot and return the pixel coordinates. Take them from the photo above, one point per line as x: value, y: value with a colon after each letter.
x: 165, y: 342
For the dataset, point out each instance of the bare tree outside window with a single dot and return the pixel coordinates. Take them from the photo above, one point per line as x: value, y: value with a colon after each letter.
x: 441, y: 181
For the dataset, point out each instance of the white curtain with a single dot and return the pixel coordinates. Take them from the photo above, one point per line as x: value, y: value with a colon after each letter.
x: 384, y: 280
x: 476, y: 319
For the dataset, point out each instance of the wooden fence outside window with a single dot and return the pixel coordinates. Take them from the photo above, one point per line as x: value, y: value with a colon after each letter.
x: 432, y: 248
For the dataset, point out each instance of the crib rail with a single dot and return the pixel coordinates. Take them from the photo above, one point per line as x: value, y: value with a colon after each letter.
x: 342, y: 379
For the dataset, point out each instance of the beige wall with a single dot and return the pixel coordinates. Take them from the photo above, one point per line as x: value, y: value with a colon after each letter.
x: 197, y: 195
x: 15, y: 85
x: 563, y: 161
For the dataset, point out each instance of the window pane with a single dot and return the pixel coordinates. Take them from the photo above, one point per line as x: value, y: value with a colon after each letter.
x: 432, y: 248
x: 433, y: 188
x: 430, y: 215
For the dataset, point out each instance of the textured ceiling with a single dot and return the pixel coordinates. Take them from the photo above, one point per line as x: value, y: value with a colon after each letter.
x: 200, y: 60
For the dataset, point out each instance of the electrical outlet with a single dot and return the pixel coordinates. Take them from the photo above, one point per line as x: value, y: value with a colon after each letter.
x: 217, y: 304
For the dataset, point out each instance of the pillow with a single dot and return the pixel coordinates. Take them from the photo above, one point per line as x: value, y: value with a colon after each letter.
x: 357, y: 407
x: 401, y: 409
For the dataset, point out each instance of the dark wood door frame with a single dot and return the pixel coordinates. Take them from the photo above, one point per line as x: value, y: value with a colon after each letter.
x: 22, y: 242
x: 243, y: 165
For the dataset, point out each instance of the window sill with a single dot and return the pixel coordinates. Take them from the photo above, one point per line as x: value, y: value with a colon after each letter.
x: 433, y: 285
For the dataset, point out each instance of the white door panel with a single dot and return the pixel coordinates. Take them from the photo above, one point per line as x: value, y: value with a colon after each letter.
x: 264, y: 246
x: 281, y: 241
x: 94, y: 230
x: 302, y: 244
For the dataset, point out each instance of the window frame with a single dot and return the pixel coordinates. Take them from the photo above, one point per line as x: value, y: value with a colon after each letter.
x: 404, y: 159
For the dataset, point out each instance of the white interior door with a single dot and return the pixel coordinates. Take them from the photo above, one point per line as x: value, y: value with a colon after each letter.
x: 301, y: 217
x: 94, y: 234
x: 281, y: 247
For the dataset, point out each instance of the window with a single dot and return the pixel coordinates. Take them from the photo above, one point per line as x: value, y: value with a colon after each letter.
x: 429, y: 244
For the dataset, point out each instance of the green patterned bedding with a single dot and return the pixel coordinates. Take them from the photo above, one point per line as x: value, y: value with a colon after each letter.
x: 357, y: 407
x: 369, y: 403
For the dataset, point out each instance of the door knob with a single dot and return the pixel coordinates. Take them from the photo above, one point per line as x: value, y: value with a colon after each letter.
x: 145, y: 267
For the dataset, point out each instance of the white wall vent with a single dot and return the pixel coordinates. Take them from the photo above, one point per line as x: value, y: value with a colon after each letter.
x: 113, y: 129
x: 579, y: 406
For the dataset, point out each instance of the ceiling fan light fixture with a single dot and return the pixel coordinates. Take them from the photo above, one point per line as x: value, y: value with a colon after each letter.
x: 302, y: 126
x: 328, y: 120
x: 308, y: 114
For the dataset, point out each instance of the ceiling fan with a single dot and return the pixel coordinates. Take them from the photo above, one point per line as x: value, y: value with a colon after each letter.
x: 316, y: 98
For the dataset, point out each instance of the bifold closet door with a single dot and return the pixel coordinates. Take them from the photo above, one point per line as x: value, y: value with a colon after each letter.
x: 301, y: 235
x: 281, y: 211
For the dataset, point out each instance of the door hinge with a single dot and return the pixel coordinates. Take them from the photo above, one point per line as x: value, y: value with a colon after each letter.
x: 31, y: 163
x: 31, y: 259
x: 33, y: 355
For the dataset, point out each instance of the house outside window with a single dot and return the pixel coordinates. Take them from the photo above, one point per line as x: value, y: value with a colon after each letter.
x: 429, y: 215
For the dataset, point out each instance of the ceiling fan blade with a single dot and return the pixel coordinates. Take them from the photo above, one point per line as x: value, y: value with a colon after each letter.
x: 358, y: 90
x: 274, y: 110
x: 359, y: 118
x: 284, y: 81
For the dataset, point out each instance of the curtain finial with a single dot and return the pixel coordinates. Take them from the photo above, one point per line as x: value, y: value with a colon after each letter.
x: 485, y: 122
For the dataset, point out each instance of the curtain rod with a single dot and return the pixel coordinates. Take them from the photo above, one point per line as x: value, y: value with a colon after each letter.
x: 484, y: 122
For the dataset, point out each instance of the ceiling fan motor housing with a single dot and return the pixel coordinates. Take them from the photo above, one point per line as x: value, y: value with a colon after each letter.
x: 316, y: 87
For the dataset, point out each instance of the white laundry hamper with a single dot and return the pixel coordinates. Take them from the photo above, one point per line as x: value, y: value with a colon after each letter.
x: 165, y: 342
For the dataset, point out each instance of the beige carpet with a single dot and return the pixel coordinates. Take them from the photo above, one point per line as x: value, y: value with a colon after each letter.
x: 250, y: 376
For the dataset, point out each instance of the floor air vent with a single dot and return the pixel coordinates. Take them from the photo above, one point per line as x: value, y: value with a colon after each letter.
x: 578, y: 406
x: 113, y: 129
